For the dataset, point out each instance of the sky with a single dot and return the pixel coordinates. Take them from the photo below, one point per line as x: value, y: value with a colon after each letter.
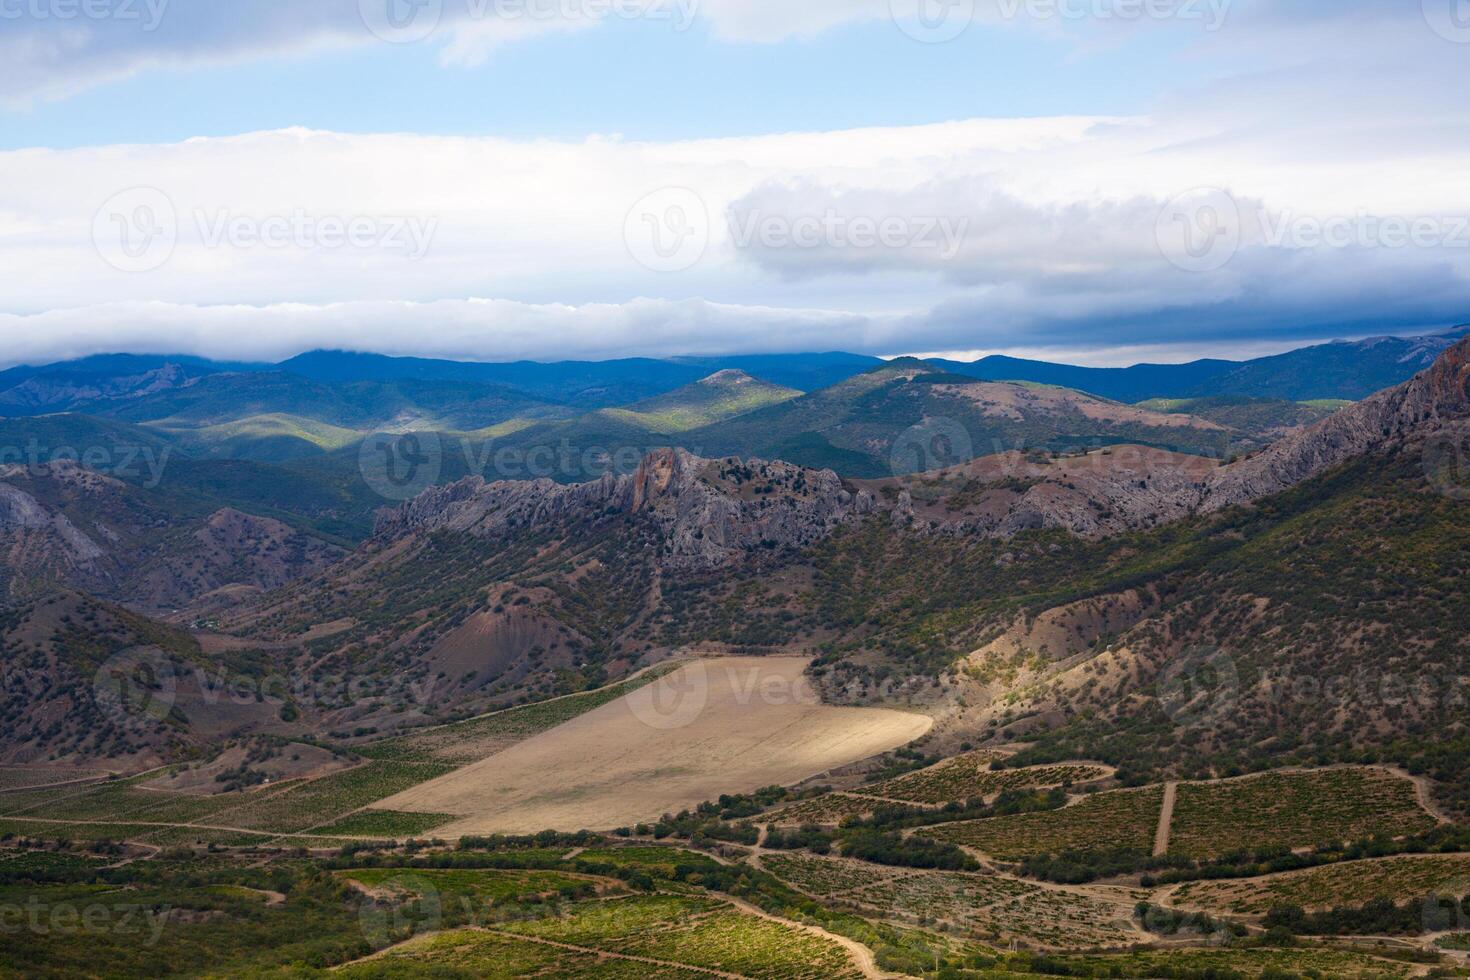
x: 1099, y: 181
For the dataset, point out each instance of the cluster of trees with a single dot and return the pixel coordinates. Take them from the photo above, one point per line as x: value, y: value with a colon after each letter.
x: 1170, y: 922
x: 809, y: 838
x: 1081, y: 867
x: 905, y: 852
x: 545, y: 839
x: 1380, y: 917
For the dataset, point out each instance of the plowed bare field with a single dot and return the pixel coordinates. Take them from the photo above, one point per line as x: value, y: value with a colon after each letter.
x: 711, y: 727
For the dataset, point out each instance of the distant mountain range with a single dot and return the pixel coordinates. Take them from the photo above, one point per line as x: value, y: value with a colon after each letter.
x: 285, y: 441
x: 1338, y: 370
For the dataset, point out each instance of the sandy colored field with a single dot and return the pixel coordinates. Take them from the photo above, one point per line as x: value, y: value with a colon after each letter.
x: 711, y: 727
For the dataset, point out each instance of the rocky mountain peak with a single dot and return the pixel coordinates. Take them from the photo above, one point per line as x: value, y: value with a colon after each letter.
x: 1437, y: 395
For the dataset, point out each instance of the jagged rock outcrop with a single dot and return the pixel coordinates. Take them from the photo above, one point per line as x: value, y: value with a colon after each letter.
x: 708, y: 513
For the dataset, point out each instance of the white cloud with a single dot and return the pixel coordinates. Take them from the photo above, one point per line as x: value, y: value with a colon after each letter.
x: 1059, y: 214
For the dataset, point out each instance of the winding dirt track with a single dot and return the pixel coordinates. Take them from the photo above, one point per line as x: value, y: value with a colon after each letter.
x: 1166, y: 819
x: 862, y: 955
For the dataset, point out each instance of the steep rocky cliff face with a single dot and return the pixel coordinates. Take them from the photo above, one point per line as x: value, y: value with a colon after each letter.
x: 1422, y: 405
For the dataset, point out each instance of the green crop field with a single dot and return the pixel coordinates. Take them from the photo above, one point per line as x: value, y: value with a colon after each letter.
x: 827, y: 876
x: 480, y: 889
x: 994, y: 909
x: 697, y: 932
x: 142, y: 833
x: 828, y: 810
x: 1062, y: 920
x: 469, y: 954
x: 1119, y: 819
x: 308, y: 806
x: 325, y: 805
x: 287, y: 807
x: 12, y: 778
x: 1398, y: 879
x: 19, y: 864
x: 663, y: 858
x: 970, y: 777
x: 1293, y: 810
x: 1242, y: 963
x: 386, y: 823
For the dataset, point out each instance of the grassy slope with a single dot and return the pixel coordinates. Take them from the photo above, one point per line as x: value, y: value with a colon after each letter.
x: 856, y: 423
x: 1255, y: 416
x: 714, y: 399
